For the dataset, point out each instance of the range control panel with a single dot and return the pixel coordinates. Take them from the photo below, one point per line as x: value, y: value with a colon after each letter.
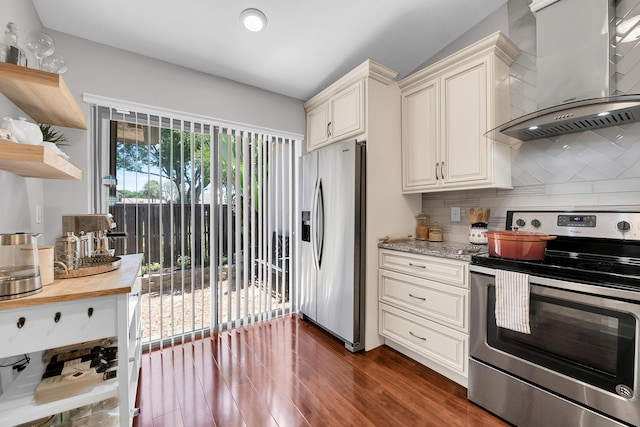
x: 594, y: 224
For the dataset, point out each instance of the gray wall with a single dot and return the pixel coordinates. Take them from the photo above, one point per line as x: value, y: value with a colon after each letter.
x: 19, y: 196
x: 105, y: 71
x: 588, y: 170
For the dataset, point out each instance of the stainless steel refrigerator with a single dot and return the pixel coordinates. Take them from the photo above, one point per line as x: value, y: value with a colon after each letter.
x: 332, y: 240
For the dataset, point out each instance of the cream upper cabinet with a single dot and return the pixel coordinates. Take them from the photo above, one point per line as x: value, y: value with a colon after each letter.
x: 318, y: 122
x: 446, y: 110
x: 420, y: 113
x: 337, y: 117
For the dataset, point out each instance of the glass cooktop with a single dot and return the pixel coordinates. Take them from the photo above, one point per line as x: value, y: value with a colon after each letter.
x: 622, y: 273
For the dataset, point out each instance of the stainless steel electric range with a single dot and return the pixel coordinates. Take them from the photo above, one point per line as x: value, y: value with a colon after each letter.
x: 579, y: 364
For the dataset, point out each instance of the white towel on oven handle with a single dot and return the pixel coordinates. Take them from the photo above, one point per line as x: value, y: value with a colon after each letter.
x: 512, y: 301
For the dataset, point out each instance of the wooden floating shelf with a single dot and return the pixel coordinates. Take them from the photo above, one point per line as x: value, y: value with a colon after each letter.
x: 35, y: 161
x: 43, y: 96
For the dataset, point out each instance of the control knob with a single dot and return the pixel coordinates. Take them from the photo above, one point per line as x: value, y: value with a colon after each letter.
x: 535, y: 223
x: 623, y: 226
x: 520, y: 222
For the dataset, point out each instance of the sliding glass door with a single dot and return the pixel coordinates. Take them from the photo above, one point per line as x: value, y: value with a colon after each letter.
x: 211, y: 208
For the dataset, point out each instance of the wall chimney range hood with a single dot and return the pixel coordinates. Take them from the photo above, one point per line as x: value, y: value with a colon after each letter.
x: 575, y: 68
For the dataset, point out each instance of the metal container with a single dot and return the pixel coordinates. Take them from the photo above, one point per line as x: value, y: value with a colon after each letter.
x: 67, y: 250
x: 19, y: 268
x: 519, y: 245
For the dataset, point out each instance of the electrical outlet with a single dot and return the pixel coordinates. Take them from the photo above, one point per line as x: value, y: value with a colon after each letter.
x: 455, y: 214
x: 38, y: 214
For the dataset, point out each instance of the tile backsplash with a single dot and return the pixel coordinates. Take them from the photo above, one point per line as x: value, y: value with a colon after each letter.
x: 588, y: 170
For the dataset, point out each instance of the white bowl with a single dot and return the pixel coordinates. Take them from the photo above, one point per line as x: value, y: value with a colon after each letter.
x: 32, y: 132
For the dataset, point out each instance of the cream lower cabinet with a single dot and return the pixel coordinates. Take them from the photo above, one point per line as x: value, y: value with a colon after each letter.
x: 423, y: 310
x: 446, y: 110
x: 30, y: 330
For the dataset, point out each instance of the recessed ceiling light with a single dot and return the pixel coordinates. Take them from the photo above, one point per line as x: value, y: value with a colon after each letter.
x: 604, y: 113
x: 534, y: 127
x: 253, y: 20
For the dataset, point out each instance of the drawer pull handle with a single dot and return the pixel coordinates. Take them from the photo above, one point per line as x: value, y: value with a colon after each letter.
x: 420, y: 298
x: 90, y: 312
x: 57, y: 316
x: 417, y: 265
x: 21, y: 322
x: 416, y: 336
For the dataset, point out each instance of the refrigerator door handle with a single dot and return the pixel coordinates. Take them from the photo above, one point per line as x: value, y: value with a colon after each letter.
x: 314, y: 226
x: 318, y: 224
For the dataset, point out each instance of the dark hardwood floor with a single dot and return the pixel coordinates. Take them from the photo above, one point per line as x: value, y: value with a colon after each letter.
x: 288, y: 372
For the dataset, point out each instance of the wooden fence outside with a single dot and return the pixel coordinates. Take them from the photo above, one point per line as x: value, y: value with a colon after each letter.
x: 159, y: 230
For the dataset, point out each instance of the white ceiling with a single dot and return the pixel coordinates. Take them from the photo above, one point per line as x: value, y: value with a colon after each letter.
x: 307, y: 44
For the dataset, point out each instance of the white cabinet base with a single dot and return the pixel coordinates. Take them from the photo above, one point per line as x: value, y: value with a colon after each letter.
x: 452, y: 375
x: 440, y: 344
x: 423, y: 310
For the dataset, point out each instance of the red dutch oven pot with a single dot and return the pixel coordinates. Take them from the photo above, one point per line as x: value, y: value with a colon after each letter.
x: 519, y: 245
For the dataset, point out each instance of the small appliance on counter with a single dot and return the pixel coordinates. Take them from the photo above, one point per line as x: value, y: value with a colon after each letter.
x: 84, y: 249
x: 19, y: 269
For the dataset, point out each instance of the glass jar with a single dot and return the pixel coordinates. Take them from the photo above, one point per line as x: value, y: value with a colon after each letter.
x: 9, y: 50
x: 422, y: 226
x: 67, y: 250
x: 435, y: 233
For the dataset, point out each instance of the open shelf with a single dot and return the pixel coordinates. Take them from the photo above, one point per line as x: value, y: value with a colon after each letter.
x: 17, y: 404
x: 35, y: 161
x: 43, y: 96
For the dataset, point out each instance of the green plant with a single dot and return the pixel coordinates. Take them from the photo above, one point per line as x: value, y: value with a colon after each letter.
x: 184, y: 261
x: 49, y: 134
x: 155, y: 266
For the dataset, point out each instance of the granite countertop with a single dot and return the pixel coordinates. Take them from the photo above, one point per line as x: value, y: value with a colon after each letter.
x: 452, y: 250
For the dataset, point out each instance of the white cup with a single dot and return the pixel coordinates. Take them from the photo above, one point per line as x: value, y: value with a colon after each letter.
x: 45, y: 259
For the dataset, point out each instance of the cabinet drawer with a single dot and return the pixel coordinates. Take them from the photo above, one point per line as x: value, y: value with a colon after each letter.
x: 443, y: 345
x: 426, y: 267
x: 40, y: 329
x: 442, y: 303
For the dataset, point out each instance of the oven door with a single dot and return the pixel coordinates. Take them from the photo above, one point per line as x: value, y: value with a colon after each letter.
x: 582, y: 346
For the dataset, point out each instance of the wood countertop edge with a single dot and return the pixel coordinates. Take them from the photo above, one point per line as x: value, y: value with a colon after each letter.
x: 115, y: 282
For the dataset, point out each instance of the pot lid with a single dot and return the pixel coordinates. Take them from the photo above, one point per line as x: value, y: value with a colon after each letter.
x: 524, y: 236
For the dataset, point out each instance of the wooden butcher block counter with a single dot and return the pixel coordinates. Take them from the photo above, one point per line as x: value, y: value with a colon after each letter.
x: 120, y: 281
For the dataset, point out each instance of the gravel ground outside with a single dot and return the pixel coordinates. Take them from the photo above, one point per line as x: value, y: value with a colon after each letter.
x: 191, y: 311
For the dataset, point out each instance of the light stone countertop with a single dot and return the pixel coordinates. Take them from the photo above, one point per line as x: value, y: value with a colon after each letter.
x: 438, y: 249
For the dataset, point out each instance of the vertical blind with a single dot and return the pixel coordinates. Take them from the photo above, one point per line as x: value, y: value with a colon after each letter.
x: 210, y: 206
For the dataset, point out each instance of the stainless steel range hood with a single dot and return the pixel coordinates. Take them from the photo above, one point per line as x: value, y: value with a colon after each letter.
x: 575, y: 69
